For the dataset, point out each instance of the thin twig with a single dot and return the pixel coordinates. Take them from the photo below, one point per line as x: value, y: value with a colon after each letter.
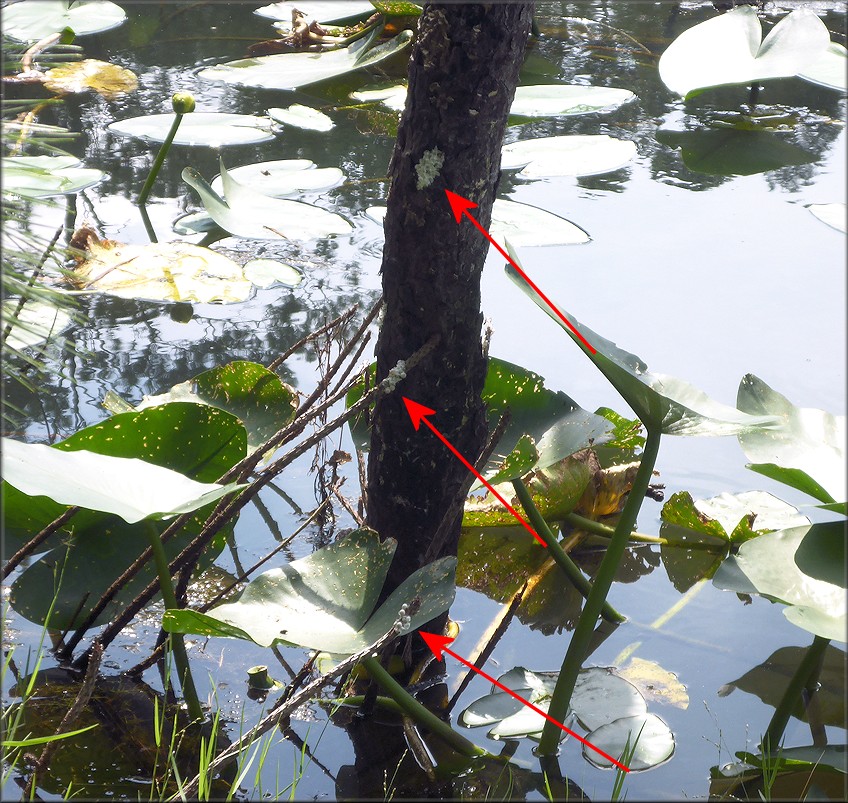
x: 36, y: 541
x: 344, y: 317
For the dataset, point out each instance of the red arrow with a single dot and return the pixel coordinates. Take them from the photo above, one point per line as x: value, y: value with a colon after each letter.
x: 418, y: 413
x: 437, y: 645
x: 459, y: 207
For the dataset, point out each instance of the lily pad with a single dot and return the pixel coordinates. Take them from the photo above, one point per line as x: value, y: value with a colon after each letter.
x: 690, y: 62
x: 394, y: 96
x: 31, y: 22
x: 284, y: 177
x: 806, y: 449
x: 127, y: 487
x: 294, y: 70
x: 653, y: 740
x: 661, y: 401
x: 202, y: 129
x: 36, y: 323
x: 108, y: 80
x: 767, y: 565
x: 247, y: 390
x: 320, y: 10
x: 248, y: 213
x: 326, y: 600
x: 300, y: 116
x: 829, y: 69
x: 572, y: 155
x: 559, y: 100
x: 43, y: 176
x: 267, y: 272
x: 831, y: 214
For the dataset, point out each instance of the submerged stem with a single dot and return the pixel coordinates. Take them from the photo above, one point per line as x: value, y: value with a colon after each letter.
x: 177, y: 644
x: 600, y: 588
x: 562, y: 559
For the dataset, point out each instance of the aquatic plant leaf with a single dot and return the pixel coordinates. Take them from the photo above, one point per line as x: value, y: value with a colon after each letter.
x: 517, y: 463
x: 602, y: 696
x: 300, y: 116
x: 201, y: 129
x: 247, y: 390
x: 326, y: 600
x: 732, y: 152
x: 831, y: 214
x: 829, y: 69
x: 821, y: 553
x: 691, y: 63
x: 127, y: 487
x: 655, y: 683
x: 30, y: 22
x: 278, y: 179
x: 266, y: 272
x: 294, y: 70
x: 248, y: 213
x: 36, y: 323
x: 767, y: 566
x: 806, y: 439
x: 653, y: 740
x: 43, y: 176
x: 320, y: 10
x: 560, y: 100
x: 175, y: 271
x: 108, y: 80
x: 394, y: 96
x: 660, y: 401
x: 572, y: 155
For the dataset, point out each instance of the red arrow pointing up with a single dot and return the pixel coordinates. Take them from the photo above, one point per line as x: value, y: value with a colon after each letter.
x: 418, y: 413
x: 438, y: 644
x: 459, y: 207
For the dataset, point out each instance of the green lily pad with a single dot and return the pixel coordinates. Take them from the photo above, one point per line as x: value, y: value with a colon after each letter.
x: 829, y: 69
x: 559, y: 100
x: 31, y: 22
x: 807, y: 448
x: 267, y: 272
x: 43, y: 176
x: 660, y: 401
x: 201, y: 129
x: 294, y: 70
x: 35, y: 324
x: 394, y: 96
x: 247, y: 390
x: 653, y: 740
x: 690, y: 62
x: 767, y: 566
x: 326, y: 600
x: 321, y: 10
x: 572, y: 155
x: 299, y: 116
x: 831, y: 214
x: 278, y: 179
x: 248, y: 213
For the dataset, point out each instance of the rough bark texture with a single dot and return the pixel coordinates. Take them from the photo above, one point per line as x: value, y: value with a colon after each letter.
x: 462, y: 78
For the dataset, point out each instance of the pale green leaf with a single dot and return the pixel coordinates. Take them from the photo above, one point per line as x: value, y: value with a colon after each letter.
x: 36, y: 323
x: 278, y: 179
x: 572, y: 155
x: 829, y: 69
x: 43, y: 176
x: 831, y: 214
x: 32, y: 21
x: 300, y: 116
x: 204, y: 129
x: 320, y: 10
x: 653, y: 740
x: 559, y: 100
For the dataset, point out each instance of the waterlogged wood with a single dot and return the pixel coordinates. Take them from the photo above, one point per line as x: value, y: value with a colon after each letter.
x: 462, y: 77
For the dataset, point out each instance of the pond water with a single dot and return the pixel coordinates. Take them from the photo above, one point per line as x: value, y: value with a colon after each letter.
x: 705, y: 276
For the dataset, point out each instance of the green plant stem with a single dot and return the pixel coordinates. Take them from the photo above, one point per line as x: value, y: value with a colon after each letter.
x: 582, y: 636
x: 559, y: 555
x: 177, y: 644
x: 810, y: 664
x: 159, y: 161
x: 418, y: 712
x: 605, y: 531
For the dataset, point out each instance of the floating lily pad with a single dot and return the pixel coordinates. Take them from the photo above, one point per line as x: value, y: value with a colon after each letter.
x: 267, y: 272
x: 806, y: 450
x: 320, y: 10
x: 690, y: 62
x: 831, y: 214
x: 248, y: 213
x: 653, y: 740
x: 300, y: 116
x: 829, y: 69
x: 572, y: 155
x: 108, y: 80
x: 326, y: 600
x: 43, y: 176
x: 294, y: 70
x: 655, y: 683
x: 768, y: 566
x: 278, y: 179
x: 659, y: 400
x: 36, y: 323
x: 30, y: 22
x: 202, y: 129
x: 394, y: 96
x: 559, y: 100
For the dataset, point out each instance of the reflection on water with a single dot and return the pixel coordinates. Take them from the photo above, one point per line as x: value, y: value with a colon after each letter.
x: 701, y: 256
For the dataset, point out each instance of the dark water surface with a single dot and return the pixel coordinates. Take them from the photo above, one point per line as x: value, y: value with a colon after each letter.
x: 706, y: 277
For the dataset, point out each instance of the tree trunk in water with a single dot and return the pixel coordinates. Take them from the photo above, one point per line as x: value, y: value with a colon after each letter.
x: 462, y: 78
